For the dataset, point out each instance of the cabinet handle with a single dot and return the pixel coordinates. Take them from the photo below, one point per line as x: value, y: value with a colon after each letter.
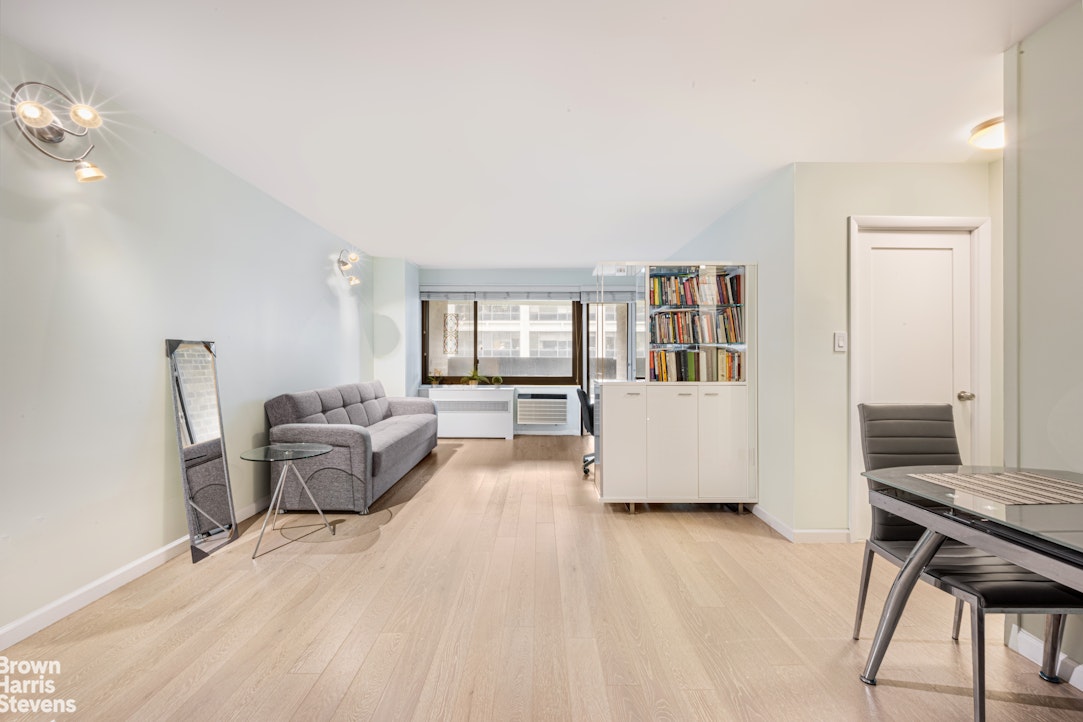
x: 631, y: 393
x: 711, y: 393
x: 685, y: 393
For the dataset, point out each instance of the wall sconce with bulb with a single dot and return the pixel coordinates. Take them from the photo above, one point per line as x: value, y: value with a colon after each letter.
x: 346, y: 261
x: 49, y: 117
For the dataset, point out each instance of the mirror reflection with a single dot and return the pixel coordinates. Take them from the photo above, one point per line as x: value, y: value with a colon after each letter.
x: 212, y: 522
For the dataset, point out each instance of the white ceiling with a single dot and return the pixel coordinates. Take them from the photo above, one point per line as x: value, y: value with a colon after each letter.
x: 553, y: 133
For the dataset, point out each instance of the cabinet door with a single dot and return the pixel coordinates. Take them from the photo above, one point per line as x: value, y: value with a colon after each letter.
x: 672, y: 443
x: 723, y: 443
x: 622, y: 467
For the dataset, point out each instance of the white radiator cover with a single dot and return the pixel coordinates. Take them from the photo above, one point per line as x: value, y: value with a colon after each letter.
x: 486, y: 411
x: 474, y: 412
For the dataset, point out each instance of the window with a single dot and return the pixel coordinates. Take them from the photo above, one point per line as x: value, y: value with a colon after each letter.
x: 608, y: 322
x: 524, y: 341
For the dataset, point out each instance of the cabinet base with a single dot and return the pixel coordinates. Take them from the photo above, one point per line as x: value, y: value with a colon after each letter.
x: 739, y: 506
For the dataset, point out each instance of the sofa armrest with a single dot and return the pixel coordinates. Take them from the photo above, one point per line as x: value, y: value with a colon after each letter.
x: 339, y: 480
x: 404, y: 405
x: 333, y: 434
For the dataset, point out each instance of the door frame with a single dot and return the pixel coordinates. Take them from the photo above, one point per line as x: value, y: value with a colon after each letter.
x: 981, y: 342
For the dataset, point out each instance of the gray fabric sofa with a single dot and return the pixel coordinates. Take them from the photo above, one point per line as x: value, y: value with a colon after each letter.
x: 376, y: 439
x: 206, y: 486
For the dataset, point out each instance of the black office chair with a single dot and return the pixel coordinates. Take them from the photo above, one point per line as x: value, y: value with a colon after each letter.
x: 586, y: 411
x: 924, y: 434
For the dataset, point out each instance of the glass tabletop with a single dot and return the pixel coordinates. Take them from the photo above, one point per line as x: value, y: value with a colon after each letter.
x: 1043, y: 503
x: 285, y: 452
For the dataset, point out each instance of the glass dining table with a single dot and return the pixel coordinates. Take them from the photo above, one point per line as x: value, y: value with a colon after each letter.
x: 1030, y: 517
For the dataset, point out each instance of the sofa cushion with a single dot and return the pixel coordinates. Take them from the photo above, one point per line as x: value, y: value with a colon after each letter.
x: 374, y: 400
x: 338, y: 405
x: 299, y: 408
x: 392, y: 437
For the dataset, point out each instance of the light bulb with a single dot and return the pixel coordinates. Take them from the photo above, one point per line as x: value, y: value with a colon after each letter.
x: 353, y: 280
x: 85, y: 116
x: 87, y: 172
x: 34, y: 114
x: 988, y: 135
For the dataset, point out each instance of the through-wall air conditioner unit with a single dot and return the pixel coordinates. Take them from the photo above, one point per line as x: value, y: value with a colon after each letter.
x: 536, y: 408
x: 551, y: 411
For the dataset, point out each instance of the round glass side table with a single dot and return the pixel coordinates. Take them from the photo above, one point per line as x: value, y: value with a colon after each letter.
x: 287, y: 453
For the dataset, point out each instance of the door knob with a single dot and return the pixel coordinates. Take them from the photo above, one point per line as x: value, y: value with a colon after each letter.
x: 965, y: 396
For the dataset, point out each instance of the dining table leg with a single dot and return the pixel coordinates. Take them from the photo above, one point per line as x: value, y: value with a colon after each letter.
x: 908, y: 576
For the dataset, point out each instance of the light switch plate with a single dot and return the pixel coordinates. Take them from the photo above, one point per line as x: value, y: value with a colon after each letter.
x: 840, y: 341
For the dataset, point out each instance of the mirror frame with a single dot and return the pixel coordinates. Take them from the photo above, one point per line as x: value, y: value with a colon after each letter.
x: 202, y: 543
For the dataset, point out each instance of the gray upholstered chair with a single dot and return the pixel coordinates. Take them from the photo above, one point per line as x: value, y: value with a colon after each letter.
x: 924, y: 434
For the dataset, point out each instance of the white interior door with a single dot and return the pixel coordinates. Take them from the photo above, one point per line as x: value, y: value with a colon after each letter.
x: 917, y: 331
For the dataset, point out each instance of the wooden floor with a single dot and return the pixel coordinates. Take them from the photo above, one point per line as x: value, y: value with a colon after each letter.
x: 491, y: 584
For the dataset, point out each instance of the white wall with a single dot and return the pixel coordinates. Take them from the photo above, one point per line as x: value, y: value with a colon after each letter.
x: 827, y: 194
x: 397, y: 322
x: 1044, y: 237
x: 93, y: 279
x: 795, y: 229
x: 1049, y: 243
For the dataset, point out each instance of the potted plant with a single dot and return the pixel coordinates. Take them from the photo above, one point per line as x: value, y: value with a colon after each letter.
x: 474, y: 378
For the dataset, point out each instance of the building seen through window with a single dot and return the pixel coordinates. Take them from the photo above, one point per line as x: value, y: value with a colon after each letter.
x: 532, y: 341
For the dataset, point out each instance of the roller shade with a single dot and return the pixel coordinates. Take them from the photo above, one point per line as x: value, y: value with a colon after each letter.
x: 569, y: 293
x: 555, y: 293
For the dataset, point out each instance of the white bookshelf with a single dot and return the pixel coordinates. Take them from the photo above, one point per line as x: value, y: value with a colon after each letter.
x: 687, y: 433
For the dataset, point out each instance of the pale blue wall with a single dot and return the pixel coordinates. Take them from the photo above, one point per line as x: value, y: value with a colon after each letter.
x: 760, y: 230
x: 93, y: 279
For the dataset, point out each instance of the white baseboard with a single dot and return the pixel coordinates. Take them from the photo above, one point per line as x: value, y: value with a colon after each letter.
x: 1032, y: 647
x: 801, y: 536
x: 821, y: 536
x: 772, y: 521
x: 39, y: 619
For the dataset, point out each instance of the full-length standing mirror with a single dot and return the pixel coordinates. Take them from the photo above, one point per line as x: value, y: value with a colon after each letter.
x: 212, y: 522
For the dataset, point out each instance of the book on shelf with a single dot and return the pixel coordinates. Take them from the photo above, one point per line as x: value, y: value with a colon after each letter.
x: 695, y: 326
x: 696, y: 289
x: 696, y: 365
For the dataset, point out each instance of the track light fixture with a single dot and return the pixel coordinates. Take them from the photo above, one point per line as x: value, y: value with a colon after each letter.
x: 43, y: 113
x: 346, y: 261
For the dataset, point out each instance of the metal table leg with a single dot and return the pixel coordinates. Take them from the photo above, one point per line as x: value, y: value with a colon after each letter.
x: 276, y: 498
x: 1054, y: 633
x: 919, y: 558
x: 276, y: 503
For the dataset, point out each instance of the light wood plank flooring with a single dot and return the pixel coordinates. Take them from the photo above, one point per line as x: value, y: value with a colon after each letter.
x: 491, y: 584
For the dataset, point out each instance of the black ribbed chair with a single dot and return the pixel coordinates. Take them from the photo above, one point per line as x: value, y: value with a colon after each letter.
x: 586, y: 413
x: 924, y: 434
